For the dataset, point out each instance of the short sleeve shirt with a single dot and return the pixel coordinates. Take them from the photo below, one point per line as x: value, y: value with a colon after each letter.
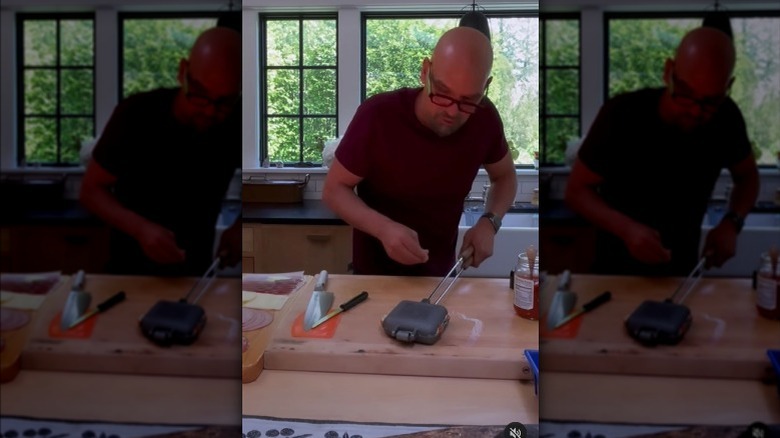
x: 169, y: 174
x: 659, y: 175
x: 415, y: 177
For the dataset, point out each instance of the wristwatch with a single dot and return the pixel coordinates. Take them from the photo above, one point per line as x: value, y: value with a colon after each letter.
x: 735, y: 219
x: 494, y: 220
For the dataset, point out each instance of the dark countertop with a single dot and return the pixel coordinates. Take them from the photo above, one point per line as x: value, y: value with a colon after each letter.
x: 67, y: 212
x: 309, y: 212
x: 314, y: 212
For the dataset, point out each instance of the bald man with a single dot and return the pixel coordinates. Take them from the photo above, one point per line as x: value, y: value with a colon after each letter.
x: 413, y: 154
x: 646, y: 170
x: 160, y: 170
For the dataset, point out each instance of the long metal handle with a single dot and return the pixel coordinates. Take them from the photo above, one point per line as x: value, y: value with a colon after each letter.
x: 458, y: 268
x: 204, y: 283
x: 687, y: 285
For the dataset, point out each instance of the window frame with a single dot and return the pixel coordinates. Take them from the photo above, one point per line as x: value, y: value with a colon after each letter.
x: 262, y: 30
x: 652, y: 15
x: 21, y: 116
x: 543, y: 94
x: 438, y: 14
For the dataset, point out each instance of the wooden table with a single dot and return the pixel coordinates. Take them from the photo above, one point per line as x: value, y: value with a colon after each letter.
x: 713, y: 377
x: 727, y: 339
x: 120, y: 395
x: 369, y: 397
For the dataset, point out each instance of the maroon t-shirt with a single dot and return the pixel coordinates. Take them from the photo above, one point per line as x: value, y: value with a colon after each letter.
x: 415, y: 177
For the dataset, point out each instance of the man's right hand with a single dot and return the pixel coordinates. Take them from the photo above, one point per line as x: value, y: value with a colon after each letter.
x: 159, y: 244
x: 644, y: 244
x: 402, y: 244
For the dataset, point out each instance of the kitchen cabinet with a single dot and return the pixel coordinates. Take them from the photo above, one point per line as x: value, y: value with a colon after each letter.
x: 66, y: 248
x: 289, y: 248
x: 566, y: 246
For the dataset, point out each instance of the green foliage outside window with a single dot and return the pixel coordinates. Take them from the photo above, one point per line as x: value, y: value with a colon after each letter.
x: 152, y: 49
x: 301, y: 93
x: 639, y: 47
x: 57, y: 88
x: 561, y: 77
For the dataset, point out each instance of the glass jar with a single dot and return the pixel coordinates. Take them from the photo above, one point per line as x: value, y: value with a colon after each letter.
x: 768, y: 288
x: 526, y: 285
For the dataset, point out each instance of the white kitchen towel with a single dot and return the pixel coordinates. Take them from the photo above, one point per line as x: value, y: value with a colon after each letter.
x: 257, y: 427
x: 30, y: 427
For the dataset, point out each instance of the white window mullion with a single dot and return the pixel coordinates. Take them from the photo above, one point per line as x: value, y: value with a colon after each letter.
x: 250, y: 89
x: 106, y: 65
x: 349, y: 74
x: 592, y: 66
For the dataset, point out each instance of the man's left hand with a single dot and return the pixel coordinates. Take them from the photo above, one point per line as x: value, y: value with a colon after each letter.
x: 720, y: 244
x: 480, y: 237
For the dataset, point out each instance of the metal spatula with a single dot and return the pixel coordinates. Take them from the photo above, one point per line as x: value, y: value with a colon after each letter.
x: 563, y: 301
x: 319, y: 303
x: 77, y: 303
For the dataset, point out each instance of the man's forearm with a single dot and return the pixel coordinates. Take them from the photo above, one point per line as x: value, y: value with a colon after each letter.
x: 588, y: 204
x: 349, y: 207
x: 502, y: 194
x: 103, y: 204
x: 744, y: 194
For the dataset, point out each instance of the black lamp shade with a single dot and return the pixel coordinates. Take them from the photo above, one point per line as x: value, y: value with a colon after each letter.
x: 720, y: 21
x: 476, y: 20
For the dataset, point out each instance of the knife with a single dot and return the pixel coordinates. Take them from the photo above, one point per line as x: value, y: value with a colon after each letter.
x: 102, y: 307
x: 587, y: 307
x: 359, y: 298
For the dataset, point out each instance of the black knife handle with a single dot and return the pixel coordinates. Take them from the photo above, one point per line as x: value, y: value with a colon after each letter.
x: 599, y: 300
x: 111, y: 302
x: 354, y: 301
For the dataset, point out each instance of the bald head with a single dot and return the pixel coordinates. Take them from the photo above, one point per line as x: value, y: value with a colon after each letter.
x: 464, y: 49
x: 705, y: 55
x: 216, y: 57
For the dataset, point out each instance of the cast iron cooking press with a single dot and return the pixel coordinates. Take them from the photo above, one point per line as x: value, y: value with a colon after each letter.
x: 421, y: 321
x: 178, y: 322
x: 664, y: 322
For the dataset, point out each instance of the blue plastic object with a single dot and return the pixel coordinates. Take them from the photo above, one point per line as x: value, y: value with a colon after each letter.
x: 774, y: 357
x: 533, y: 359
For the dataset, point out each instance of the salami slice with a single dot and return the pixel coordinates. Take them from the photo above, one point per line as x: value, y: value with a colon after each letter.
x: 12, y: 319
x: 254, y: 319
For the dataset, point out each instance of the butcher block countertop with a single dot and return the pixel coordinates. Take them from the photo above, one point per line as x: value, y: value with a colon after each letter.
x: 719, y: 374
x: 114, y: 374
x: 727, y: 338
x: 476, y: 374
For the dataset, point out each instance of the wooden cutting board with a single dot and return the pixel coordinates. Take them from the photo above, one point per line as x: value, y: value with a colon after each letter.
x: 484, y: 339
x: 116, y: 344
x: 727, y: 339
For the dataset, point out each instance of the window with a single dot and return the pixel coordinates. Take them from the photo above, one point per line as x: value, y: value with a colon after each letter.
x: 396, y: 45
x: 560, y: 90
x: 56, y: 87
x: 153, y: 44
x: 639, y: 44
x: 298, y: 82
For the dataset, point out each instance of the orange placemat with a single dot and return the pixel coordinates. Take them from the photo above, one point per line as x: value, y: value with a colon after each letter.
x: 325, y: 330
x: 81, y: 331
x: 567, y: 331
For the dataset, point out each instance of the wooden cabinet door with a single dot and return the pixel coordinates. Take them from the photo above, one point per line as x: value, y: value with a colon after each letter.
x: 250, y: 233
x: 310, y: 248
